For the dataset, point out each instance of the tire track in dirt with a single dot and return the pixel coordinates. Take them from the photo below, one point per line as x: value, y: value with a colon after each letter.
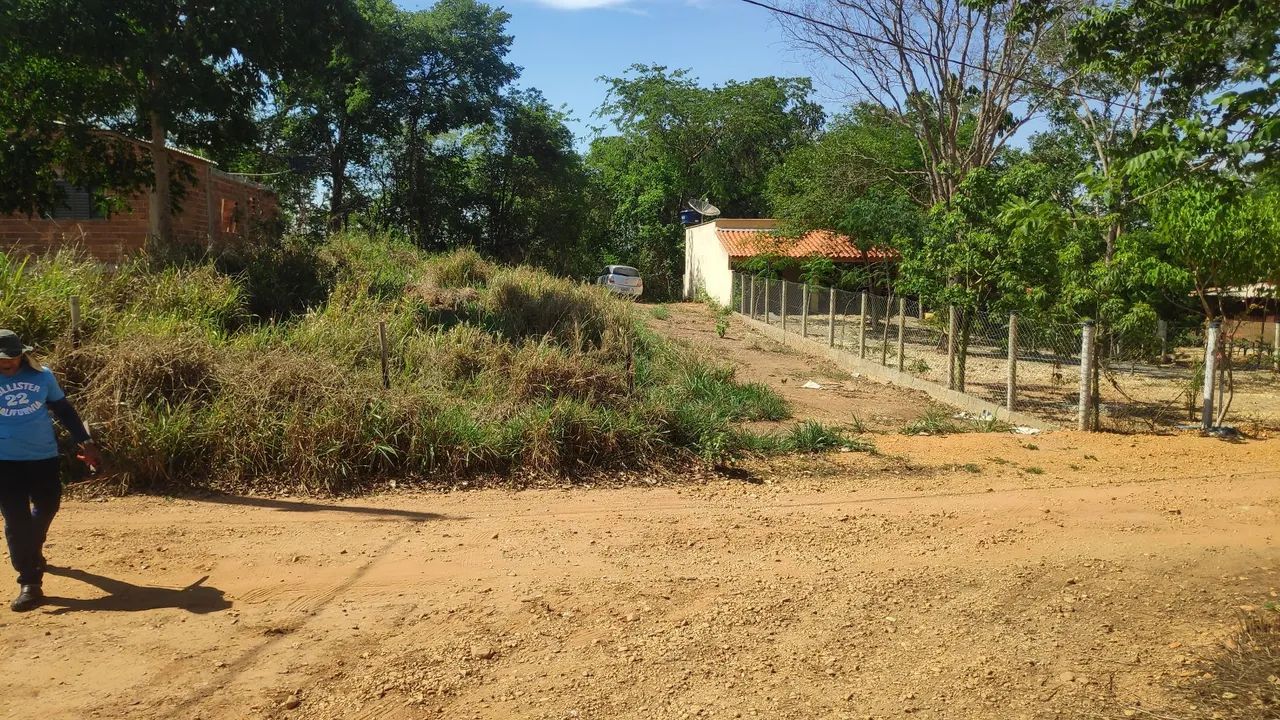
x: 245, y: 661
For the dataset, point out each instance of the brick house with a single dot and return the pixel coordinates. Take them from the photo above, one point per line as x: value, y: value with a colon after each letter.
x: 217, y: 210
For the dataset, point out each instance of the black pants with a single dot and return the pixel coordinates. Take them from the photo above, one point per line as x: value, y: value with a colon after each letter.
x: 30, y: 493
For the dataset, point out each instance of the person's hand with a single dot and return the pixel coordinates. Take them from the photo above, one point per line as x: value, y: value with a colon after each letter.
x: 90, y: 454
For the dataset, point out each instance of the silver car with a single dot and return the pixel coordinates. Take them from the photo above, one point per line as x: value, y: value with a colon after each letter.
x: 622, y: 280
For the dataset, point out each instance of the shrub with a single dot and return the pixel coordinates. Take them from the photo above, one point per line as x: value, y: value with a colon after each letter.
x: 191, y: 376
x: 459, y: 269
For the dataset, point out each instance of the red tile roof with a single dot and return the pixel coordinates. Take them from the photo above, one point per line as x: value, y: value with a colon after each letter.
x: 815, y: 243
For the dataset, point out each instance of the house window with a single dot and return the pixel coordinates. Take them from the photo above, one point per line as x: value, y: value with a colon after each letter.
x: 77, y: 203
x: 230, y: 217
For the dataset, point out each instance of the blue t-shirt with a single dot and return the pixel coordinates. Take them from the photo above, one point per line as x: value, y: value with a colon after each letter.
x: 26, y: 431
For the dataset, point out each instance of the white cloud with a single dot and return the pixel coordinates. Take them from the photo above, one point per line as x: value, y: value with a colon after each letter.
x: 581, y: 4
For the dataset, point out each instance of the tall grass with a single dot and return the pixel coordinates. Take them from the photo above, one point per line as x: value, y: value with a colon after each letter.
x: 193, y: 375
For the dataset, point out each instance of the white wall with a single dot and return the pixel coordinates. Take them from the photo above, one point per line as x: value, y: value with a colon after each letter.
x: 706, y: 264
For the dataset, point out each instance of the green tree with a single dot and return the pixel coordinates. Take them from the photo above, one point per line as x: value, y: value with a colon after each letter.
x: 949, y: 71
x: 527, y: 180
x: 393, y: 83
x: 172, y: 70
x: 677, y: 140
x: 456, y: 82
x: 1213, y: 67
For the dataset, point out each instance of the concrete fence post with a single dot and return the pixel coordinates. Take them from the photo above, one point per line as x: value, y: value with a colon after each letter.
x: 804, y: 310
x: 1275, y: 342
x: 1086, y: 377
x: 884, y: 338
x: 1162, y: 332
x: 1012, y: 389
x: 766, y: 301
x: 1210, y: 358
x: 831, y: 312
x: 752, y: 307
x: 953, y: 321
x: 862, y: 327
x: 784, y: 304
x: 742, y: 294
x: 902, y: 333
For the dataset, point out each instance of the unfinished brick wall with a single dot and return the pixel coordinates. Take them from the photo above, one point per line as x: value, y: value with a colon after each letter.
x: 217, y: 210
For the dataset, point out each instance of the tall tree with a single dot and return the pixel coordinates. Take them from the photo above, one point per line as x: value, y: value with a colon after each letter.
x: 677, y: 140
x: 459, y: 70
x: 952, y: 71
x: 528, y: 181
x: 336, y: 113
x: 863, y: 177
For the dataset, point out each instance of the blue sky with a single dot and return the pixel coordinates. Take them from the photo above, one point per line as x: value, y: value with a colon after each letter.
x: 564, y: 45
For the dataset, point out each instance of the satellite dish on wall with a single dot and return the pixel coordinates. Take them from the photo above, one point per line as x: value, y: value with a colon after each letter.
x: 704, y: 208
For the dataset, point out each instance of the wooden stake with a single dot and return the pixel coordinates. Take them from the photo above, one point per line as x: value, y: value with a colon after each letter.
x: 382, y: 341
x: 75, y: 321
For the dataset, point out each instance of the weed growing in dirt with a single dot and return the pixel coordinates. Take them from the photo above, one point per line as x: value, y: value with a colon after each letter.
x: 1033, y: 470
x: 808, y: 437
x: 936, y: 421
x: 939, y: 421
x: 971, y: 467
x: 917, y: 367
x: 661, y: 312
x: 493, y: 370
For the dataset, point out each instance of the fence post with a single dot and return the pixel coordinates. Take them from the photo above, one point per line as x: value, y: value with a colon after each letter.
x: 804, y: 311
x: 1086, y: 377
x: 742, y: 294
x: 862, y: 327
x: 1275, y: 342
x: 831, y: 312
x: 75, y: 321
x: 884, y: 338
x: 766, y: 301
x: 382, y: 342
x: 953, y: 319
x: 784, y: 305
x: 902, y: 332
x: 1162, y: 330
x: 1210, y: 356
x: 1011, y: 391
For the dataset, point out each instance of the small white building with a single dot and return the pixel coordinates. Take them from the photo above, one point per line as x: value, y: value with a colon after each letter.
x: 713, y: 249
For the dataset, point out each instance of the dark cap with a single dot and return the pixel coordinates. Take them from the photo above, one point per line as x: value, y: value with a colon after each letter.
x: 11, y: 345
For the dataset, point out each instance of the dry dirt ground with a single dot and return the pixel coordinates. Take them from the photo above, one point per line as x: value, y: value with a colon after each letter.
x: 970, y: 576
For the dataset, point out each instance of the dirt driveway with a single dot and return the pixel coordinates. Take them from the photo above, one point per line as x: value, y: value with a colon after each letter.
x: 973, y: 576
x: 844, y: 399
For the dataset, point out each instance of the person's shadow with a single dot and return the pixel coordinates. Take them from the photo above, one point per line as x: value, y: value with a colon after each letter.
x: 127, y: 597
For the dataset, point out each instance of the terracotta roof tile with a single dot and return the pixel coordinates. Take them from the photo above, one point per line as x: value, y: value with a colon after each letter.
x: 822, y: 243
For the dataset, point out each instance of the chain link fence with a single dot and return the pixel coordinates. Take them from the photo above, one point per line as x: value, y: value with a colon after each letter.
x: 1144, y: 378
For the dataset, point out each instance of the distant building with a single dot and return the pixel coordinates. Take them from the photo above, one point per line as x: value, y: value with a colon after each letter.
x: 218, y: 209
x: 713, y: 250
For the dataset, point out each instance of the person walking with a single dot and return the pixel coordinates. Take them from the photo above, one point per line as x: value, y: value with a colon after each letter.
x: 30, y: 486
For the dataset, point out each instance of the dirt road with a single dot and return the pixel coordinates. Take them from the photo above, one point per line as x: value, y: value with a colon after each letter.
x: 844, y: 399
x: 974, y: 576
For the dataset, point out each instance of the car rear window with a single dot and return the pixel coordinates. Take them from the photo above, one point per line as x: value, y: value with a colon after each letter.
x: 622, y: 270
